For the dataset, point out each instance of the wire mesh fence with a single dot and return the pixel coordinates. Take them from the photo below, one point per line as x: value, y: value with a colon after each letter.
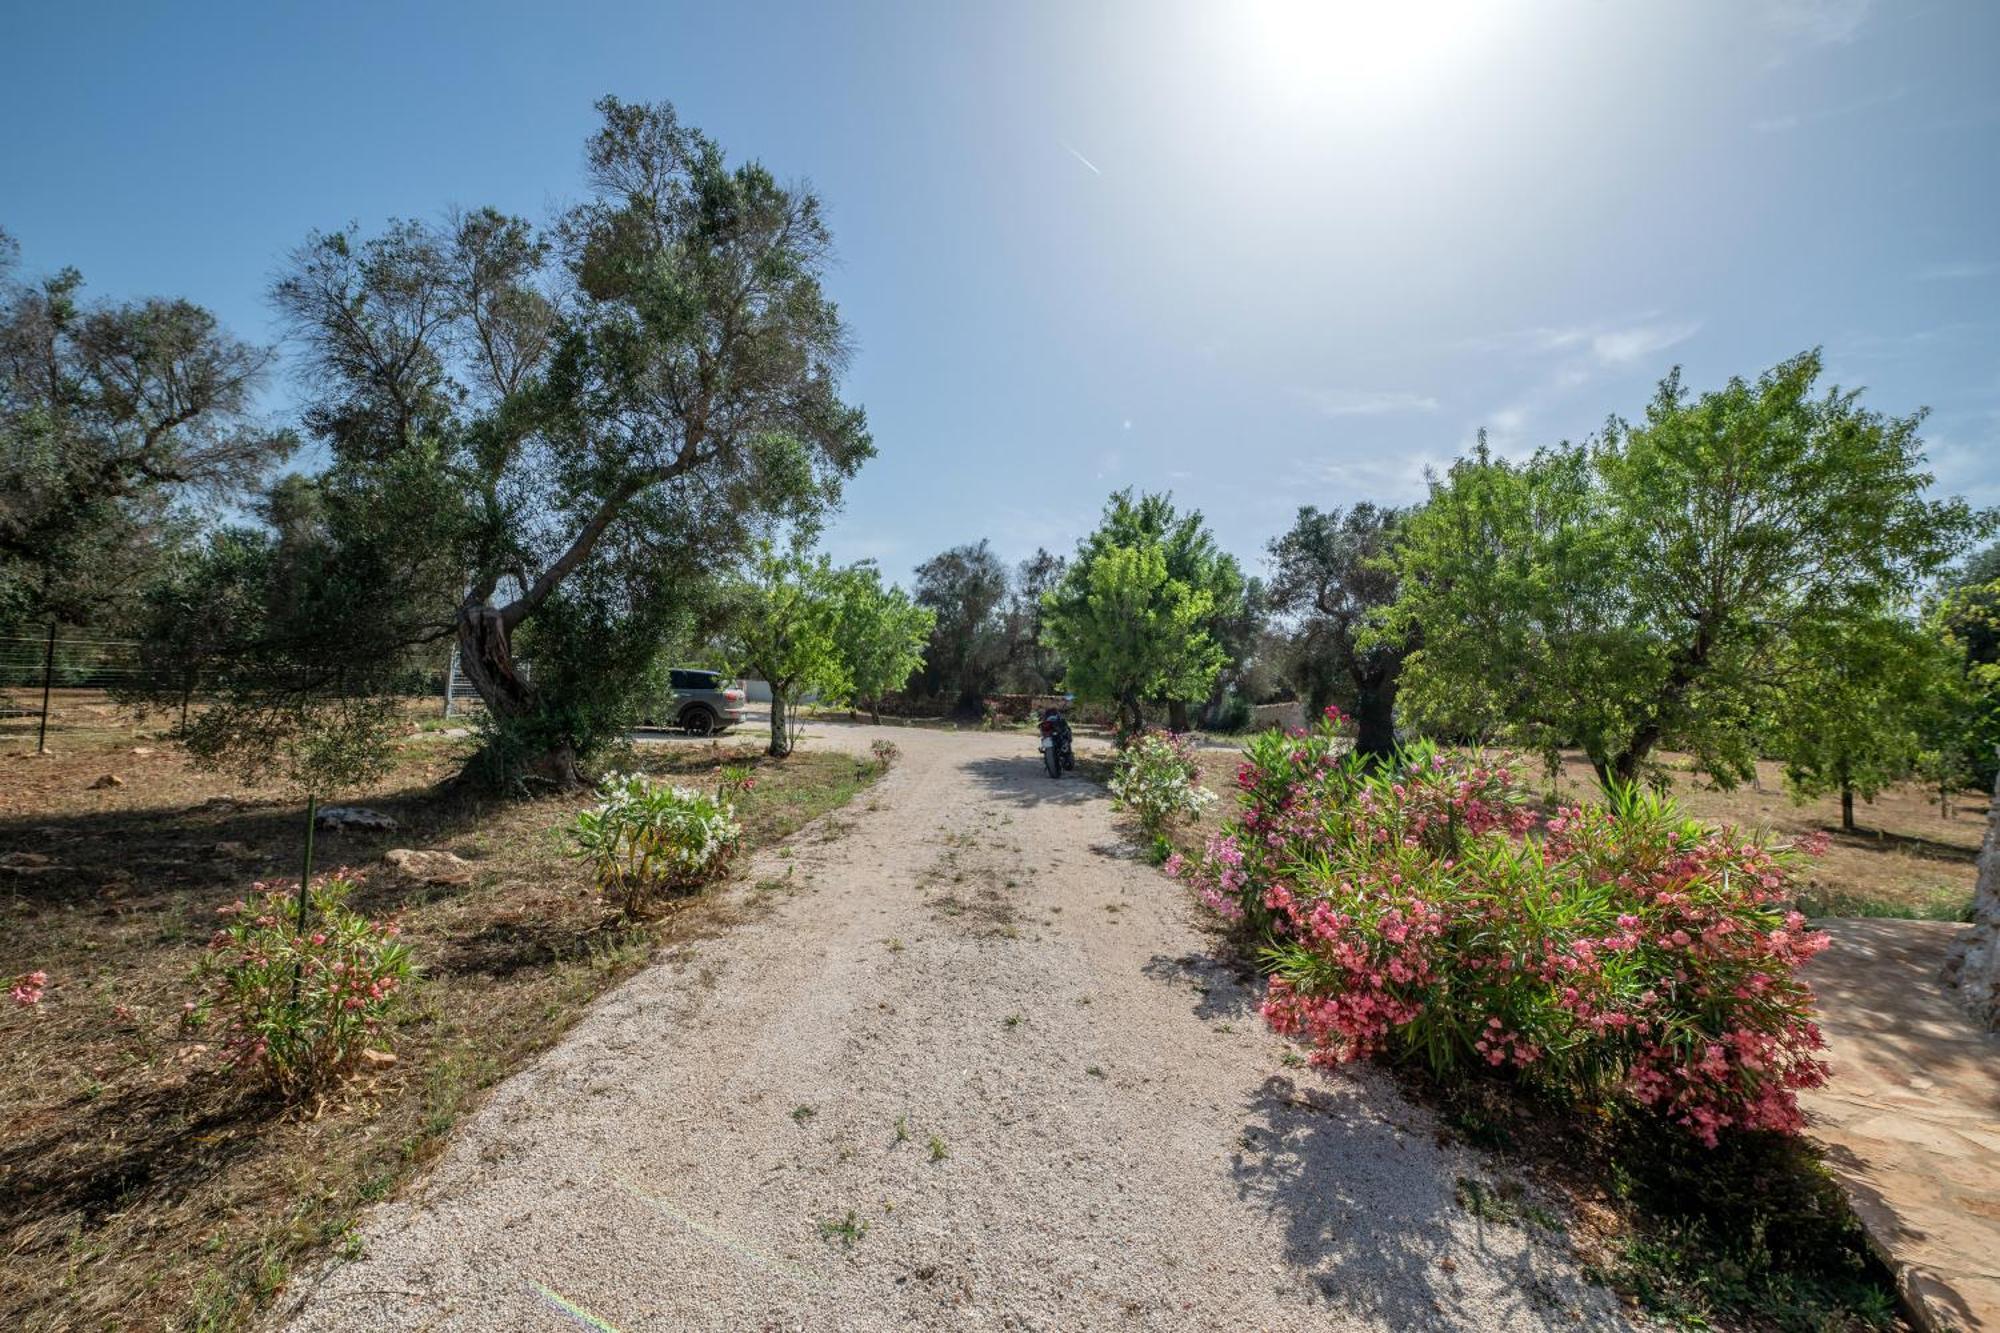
x: 68, y: 680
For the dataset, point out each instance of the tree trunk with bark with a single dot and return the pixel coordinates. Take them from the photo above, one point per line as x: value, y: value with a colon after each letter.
x: 1177, y: 715
x: 781, y: 739
x: 1974, y: 966
x: 1846, y: 808
x: 486, y: 655
x: 1375, y: 716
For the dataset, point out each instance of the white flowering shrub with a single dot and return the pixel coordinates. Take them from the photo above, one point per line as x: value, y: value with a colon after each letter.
x: 646, y: 840
x: 1157, y: 779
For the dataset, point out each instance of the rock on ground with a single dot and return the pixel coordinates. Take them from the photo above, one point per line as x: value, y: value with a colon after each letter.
x: 966, y: 1064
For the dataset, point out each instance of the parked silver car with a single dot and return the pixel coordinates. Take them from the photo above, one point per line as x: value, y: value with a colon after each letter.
x: 702, y: 703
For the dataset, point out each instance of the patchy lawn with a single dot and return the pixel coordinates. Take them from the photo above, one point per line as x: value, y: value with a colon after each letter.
x: 1907, y: 860
x: 145, y: 1188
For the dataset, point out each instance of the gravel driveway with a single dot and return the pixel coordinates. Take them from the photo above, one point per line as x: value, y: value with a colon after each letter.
x: 967, y: 1067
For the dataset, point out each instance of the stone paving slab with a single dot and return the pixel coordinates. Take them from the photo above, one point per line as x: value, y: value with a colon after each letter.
x: 1911, y: 1118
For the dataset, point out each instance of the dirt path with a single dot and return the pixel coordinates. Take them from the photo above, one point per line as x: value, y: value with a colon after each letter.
x: 972, y: 1070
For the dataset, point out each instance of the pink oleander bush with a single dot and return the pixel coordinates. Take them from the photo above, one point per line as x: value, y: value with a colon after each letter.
x: 299, y: 1007
x: 1422, y: 910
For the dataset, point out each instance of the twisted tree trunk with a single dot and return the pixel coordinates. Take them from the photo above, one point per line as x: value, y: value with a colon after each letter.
x: 486, y: 655
x: 1974, y: 967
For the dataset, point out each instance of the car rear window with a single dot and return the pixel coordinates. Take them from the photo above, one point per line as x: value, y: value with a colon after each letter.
x: 696, y: 680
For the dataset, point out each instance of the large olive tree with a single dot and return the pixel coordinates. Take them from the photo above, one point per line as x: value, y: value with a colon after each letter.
x: 113, y: 415
x: 613, y: 405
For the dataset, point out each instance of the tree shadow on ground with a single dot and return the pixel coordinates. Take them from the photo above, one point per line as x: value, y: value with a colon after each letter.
x: 1369, y: 1214
x: 1880, y: 840
x: 1221, y: 990
x: 1023, y: 782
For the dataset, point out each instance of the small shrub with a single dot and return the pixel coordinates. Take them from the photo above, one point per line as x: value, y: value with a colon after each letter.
x: 299, y: 1006
x: 885, y: 752
x: 1157, y: 779
x: 645, y: 840
x: 27, y: 989
x: 1421, y: 910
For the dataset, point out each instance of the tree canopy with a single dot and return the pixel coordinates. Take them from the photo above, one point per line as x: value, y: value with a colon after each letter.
x: 1333, y: 576
x: 569, y: 424
x: 1649, y: 588
x: 1130, y: 630
x: 114, y: 418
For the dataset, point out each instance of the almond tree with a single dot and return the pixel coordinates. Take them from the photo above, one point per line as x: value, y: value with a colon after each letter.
x: 1649, y: 589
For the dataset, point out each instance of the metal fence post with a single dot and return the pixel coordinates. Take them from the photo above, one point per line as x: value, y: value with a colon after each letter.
x: 48, y: 679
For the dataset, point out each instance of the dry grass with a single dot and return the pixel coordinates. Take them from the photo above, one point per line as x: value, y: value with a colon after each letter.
x: 1907, y: 860
x: 146, y: 1189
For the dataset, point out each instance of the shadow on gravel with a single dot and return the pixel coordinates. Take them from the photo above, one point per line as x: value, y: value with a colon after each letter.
x: 1023, y: 782
x: 1219, y: 990
x: 1368, y: 1213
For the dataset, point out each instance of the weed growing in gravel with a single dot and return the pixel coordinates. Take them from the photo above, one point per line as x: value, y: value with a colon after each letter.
x: 895, y: 944
x: 902, y: 1128
x: 938, y: 1151
x: 846, y: 1230
x: 1094, y: 1071
x: 801, y: 1114
x: 1015, y: 1020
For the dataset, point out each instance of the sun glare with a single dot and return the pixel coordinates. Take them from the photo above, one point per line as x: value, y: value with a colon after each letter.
x: 1365, y: 58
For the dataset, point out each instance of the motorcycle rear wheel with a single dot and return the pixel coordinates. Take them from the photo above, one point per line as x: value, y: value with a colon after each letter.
x: 1052, y: 762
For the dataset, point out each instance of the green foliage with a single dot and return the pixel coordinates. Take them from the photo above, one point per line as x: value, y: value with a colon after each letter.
x: 646, y: 840
x: 1335, y: 578
x: 782, y: 623
x: 569, y: 426
x: 1966, y: 743
x: 1157, y: 779
x: 110, y: 416
x: 881, y: 634
x: 300, y: 1005
x: 1422, y: 910
x: 1643, y: 591
x: 965, y: 588
x: 1131, y: 630
x: 1858, y: 702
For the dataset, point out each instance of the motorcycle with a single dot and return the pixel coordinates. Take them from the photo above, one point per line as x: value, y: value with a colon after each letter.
x: 1057, y: 752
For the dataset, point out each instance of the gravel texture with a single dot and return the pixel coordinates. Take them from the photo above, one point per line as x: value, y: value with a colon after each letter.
x: 972, y: 1069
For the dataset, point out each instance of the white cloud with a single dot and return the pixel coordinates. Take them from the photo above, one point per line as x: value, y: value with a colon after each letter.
x: 1366, y: 403
x: 1609, y: 345
x: 1621, y: 347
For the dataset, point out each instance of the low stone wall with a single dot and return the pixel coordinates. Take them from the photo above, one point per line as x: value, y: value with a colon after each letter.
x: 1286, y: 716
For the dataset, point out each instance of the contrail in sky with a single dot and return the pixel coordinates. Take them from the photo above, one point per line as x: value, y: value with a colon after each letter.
x: 1081, y: 158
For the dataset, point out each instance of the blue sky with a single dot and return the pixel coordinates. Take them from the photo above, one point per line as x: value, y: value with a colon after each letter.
x: 1260, y: 255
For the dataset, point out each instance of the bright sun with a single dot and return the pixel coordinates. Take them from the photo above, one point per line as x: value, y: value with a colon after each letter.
x: 1364, y: 58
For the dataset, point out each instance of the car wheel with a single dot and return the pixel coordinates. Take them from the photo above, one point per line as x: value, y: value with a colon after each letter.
x: 698, y: 721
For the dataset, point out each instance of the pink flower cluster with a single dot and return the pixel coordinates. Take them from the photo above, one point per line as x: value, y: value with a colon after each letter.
x: 27, y: 989
x: 299, y: 1004
x: 1422, y: 910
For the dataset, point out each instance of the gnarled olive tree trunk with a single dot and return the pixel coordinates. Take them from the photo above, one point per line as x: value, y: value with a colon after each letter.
x: 486, y: 655
x: 1974, y: 967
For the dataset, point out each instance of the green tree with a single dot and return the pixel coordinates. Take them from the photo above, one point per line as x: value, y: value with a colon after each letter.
x: 1857, y: 705
x: 1034, y: 664
x: 1642, y: 591
x: 1966, y: 743
x: 1193, y: 561
x: 881, y: 636
x: 1333, y: 575
x: 782, y: 623
x: 966, y: 589
x: 632, y: 396
x: 112, y: 415
x: 1131, y: 632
